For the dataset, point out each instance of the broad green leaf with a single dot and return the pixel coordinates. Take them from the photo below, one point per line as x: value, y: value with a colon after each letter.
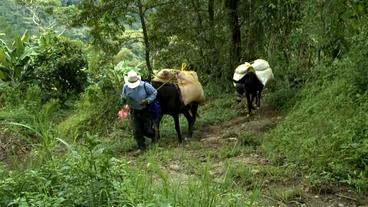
x: 3, y: 60
x: 2, y: 75
x: 2, y: 57
x: 29, y: 51
x: 19, y: 47
x: 3, y: 42
x: 17, y: 72
x: 25, y: 37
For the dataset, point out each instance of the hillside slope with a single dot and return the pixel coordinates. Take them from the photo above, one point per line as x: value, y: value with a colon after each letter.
x: 230, y: 152
x: 325, y: 133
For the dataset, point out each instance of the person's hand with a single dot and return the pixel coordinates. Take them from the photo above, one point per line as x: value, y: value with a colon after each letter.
x: 122, y: 101
x: 144, y: 103
x: 123, y: 113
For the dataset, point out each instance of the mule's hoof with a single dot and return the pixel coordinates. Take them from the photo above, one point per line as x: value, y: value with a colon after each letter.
x: 138, y: 152
x: 186, y: 139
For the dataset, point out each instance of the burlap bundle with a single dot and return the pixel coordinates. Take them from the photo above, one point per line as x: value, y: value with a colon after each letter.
x: 189, y: 85
x: 166, y: 76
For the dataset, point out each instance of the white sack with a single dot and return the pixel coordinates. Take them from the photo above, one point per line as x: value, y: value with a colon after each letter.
x: 260, y: 65
x: 265, y: 75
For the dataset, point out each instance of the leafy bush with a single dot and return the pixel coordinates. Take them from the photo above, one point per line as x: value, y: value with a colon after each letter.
x: 96, y: 111
x: 283, y: 96
x: 59, y: 67
x: 14, y: 59
x: 9, y: 95
x: 31, y: 120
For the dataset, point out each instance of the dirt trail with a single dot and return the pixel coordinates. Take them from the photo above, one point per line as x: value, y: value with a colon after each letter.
x: 12, y: 149
x: 277, y: 190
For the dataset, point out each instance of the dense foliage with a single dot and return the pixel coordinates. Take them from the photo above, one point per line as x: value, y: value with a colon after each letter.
x: 59, y: 67
x: 14, y: 20
x: 325, y: 132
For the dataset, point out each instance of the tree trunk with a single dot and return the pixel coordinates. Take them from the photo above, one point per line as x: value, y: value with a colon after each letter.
x: 251, y: 35
x: 235, y: 44
x: 145, y: 37
x: 199, y: 31
x: 214, y: 55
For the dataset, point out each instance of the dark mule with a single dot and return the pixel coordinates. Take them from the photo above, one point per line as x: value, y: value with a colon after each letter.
x: 169, y: 97
x: 252, y: 87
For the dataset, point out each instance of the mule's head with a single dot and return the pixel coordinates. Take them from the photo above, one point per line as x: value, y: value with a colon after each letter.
x: 239, y: 80
x: 241, y: 75
x: 240, y: 90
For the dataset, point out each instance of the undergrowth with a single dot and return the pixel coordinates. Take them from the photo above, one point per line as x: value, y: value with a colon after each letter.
x: 89, y: 175
x: 325, y: 133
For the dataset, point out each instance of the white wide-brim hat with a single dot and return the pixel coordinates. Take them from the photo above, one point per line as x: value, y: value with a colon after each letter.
x: 132, y: 79
x: 241, y: 71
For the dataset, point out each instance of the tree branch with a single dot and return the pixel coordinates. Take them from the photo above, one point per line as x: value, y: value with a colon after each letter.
x: 157, y: 5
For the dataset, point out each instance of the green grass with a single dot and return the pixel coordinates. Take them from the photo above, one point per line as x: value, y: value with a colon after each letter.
x: 324, y: 134
x: 91, y: 176
x: 286, y: 195
x: 93, y: 170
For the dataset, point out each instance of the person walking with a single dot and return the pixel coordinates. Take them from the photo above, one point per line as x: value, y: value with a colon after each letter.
x: 138, y: 95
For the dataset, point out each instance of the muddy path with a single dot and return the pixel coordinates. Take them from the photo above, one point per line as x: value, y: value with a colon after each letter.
x: 274, y: 190
x: 12, y: 149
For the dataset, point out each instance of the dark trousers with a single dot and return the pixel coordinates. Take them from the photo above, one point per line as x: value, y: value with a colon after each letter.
x: 142, y: 126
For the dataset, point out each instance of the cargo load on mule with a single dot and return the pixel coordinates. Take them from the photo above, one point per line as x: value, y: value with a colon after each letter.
x: 250, y: 79
x: 187, y: 81
x: 179, y: 92
x: 261, y: 68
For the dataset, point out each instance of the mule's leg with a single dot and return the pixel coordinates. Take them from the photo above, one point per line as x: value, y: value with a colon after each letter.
x: 177, y: 127
x: 253, y: 97
x: 258, y: 99
x: 157, y: 128
x: 249, y: 103
x: 190, y: 121
x: 259, y: 94
x: 191, y: 118
x: 194, y: 110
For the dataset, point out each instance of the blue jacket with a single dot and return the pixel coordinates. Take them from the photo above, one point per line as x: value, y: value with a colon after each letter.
x: 135, y: 96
